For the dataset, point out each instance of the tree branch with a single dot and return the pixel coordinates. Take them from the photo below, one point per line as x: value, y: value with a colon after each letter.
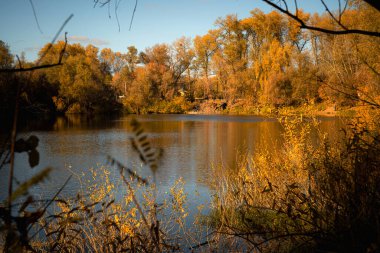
x: 30, y: 69
x: 117, y: 3
x: 355, y: 98
x: 35, y: 16
x: 332, y: 15
x: 133, y: 15
x: 45, y: 66
x: 303, y: 25
x: 20, y: 69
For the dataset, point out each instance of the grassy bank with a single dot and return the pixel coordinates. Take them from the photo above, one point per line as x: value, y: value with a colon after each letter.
x: 219, y: 106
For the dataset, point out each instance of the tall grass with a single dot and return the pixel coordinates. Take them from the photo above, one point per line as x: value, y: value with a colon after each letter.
x: 307, y: 196
x: 112, y: 214
x: 105, y: 218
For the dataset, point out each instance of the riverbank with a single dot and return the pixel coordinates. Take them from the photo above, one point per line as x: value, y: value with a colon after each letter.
x: 242, y: 108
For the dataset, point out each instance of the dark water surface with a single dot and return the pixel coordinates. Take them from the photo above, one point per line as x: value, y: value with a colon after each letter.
x: 192, y: 145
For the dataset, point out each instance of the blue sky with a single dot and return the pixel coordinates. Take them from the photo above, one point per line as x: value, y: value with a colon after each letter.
x: 156, y: 21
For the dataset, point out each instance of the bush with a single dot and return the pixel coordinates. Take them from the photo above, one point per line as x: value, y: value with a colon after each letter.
x: 307, y: 196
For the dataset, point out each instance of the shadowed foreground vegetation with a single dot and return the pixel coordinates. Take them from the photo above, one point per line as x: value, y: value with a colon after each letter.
x: 307, y: 196
x: 119, y: 211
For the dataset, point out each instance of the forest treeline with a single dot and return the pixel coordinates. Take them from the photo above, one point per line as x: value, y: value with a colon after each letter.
x: 262, y: 60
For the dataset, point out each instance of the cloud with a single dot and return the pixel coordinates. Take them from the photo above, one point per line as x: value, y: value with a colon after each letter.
x: 32, y: 49
x: 79, y: 38
x: 99, y: 42
x: 85, y: 39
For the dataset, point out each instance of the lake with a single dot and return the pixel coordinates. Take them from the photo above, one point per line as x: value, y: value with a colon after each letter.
x: 193, y: 145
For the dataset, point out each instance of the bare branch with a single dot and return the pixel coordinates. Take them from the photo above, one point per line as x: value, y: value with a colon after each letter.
x: 45, y: 66
x: 133, y: 15
x: 295, y: 3
x: 303, y: 25
x: 35, y: 15
x: 341, y: 12
x: 109, y: 7
x: 286, y: 5
x: 371, y: 67
x: 47, y: 50
x: 49, y: 203
x: 19, y: 62
x: 29, y: 69
x: 117, y: 3
x: 365, y: 101
x: 117, y: 18
x: 55, y: 37
x: 332, y: 15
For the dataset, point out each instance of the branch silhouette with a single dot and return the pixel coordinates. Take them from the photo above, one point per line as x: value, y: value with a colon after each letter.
x: 344, y: 30
x: 44, y: 66
x: 103, y: 3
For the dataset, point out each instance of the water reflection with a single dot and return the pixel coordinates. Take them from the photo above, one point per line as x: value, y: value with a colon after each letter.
x: 192, y: 145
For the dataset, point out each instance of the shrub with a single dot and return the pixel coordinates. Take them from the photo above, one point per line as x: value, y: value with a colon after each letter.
x: 307, y: 196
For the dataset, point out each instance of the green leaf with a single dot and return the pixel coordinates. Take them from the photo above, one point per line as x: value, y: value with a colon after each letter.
x: 24, y: 187
x: 21, y: 146
x: 34, y: 158
x: 32, y: 142
x: 25, y: 146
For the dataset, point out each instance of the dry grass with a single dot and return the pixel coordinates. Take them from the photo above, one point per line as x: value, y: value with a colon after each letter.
x: 104, y: 218
x: 111, y: 213
x: 306, y: 196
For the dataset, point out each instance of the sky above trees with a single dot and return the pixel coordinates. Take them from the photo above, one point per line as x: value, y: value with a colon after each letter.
x: 155, y: 21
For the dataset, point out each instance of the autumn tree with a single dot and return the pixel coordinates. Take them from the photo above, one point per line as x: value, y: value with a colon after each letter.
x: 122, y: 79
x: 349, y: 71
x: 232, y: 57
x: 181, y: 64
x: 6, y: 58
x: 111, y: 61
x: 204, y: 48
x: 263, y: 59
x: 166, y: 67
x: 269, y: 56
x: 82, y: 82
x: 7, y: 90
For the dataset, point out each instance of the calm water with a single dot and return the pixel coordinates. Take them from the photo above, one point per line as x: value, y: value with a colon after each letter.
x: 192, y: 145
